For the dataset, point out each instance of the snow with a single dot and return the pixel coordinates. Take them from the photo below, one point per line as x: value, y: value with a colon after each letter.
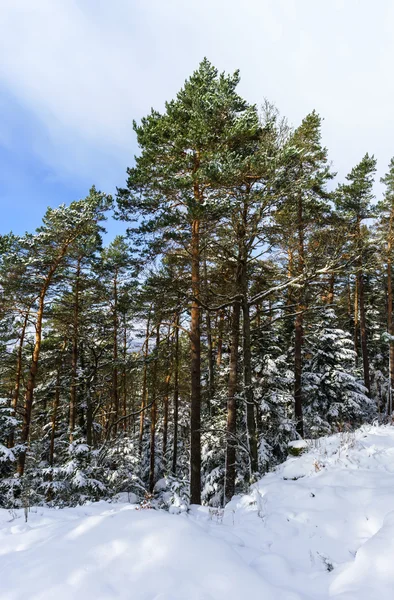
x: 320, y: 527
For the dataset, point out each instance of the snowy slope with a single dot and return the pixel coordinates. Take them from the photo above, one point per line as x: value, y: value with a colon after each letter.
x: 321, y: 526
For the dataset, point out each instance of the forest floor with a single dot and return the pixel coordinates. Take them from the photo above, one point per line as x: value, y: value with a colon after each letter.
x: 321, y: 526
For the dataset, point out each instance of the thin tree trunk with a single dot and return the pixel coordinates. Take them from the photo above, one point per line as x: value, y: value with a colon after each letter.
x: 349, y: 306
x: 220, y: 339
x: 363, y: 333
x: 153, y: 415
x: 176, y: 395
x: 115, y: 390
x: 356, y: 321
x: 74, y: 355
x: 124, y: 376
x: 248, y: 387
x: 232, y: 406
x: 165, y: 417
x: 144, y: 398
x: 331, y: 286
x: 55, y: 407
x: 195, y: 409
x: 390, y: 323
x: 298, y: 327
x: 211, y: 375
x: 15, y: 395
x: 31, y: 385
x: 298, y: 371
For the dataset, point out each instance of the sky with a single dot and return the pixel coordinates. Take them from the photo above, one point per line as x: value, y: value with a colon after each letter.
x: 75, y: 73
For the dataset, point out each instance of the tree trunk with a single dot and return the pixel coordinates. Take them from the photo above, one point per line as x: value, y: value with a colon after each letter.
x: 165, y: 417
x: 249, y: 396
x: 211, y: 375
x: 298, y: 371
x: 15, y: 395
x: 144, y: 398
x: 298, y: 327
x: 390, y: 323
x: 195, y: 409
x: 124, y: 376
x: 176, y: 394
x: 363, y: 333
x: 74, y: 355
x: 153, y: 415
x: 356, y: 322
x: 31, y: 384
x: 331, y: 286
x: 361, y: 299
x: 115, y: 391
x: 34, y: 361
x: 55, y: 409
x: 220, y: 339
x: 229, y: 489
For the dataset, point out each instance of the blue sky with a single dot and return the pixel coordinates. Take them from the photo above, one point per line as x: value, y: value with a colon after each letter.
x: 75, y: 73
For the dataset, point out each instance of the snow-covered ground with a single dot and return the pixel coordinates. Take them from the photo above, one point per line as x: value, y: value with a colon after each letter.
x: 321, y: 526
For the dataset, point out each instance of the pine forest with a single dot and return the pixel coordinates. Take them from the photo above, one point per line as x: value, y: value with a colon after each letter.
x: 247, y: 306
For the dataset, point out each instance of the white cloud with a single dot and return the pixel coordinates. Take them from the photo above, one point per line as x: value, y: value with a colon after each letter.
x: 86, y: 68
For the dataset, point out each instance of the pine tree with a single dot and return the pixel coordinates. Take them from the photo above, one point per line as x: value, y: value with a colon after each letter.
x: 178, y: 184
x: 353, y: 201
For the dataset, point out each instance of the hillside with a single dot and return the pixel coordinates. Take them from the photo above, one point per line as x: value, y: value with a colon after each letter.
x: 320, y: 526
